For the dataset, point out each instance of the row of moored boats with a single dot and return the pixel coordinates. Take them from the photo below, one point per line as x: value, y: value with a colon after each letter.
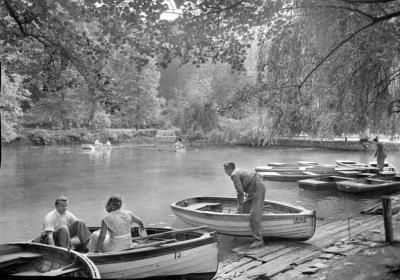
x: 345, y: 175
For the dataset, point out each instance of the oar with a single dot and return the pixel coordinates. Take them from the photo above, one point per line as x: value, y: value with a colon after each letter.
x: 153, y: 244
x: 168, y: 232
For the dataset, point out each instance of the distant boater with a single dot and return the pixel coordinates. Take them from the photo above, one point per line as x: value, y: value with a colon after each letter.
x: 253, y: 185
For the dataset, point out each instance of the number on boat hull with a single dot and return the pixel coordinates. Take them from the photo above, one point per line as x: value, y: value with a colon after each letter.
x: 299, y: 220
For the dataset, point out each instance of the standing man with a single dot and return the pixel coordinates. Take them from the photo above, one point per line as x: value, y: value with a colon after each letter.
x: 252, y: 184
x: 60, y: 226
x: 380, y: 154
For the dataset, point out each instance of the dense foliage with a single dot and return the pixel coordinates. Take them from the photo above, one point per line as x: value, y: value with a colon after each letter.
x: 321, y: 67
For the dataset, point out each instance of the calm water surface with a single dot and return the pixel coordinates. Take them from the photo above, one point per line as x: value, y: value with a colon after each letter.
x: 149, y: 180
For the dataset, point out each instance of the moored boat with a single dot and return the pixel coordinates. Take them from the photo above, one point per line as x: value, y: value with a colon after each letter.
x: 39, y: 260
x: 294, y: 176
x: 388, y: 168
x: 325, y: 183
x: 369, y: 185
x: 295, y: 168
x: 279, y: 220
x: 187, y: 253
x: 351, y: 164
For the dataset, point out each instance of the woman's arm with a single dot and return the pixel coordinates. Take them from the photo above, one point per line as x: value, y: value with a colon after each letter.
x: 102, y: 236
x: 138, y: 221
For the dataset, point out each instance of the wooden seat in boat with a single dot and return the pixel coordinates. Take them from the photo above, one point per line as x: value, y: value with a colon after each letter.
x: 55, y: 272
x: 204, y: 205
x: 19, y: 257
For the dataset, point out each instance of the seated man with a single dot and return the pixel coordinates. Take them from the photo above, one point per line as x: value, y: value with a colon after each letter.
x: 60, y: 226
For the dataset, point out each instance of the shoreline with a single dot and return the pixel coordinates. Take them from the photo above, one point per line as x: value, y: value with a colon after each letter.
x: 45, y: 137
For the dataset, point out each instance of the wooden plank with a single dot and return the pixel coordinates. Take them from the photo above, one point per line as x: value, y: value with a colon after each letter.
x: 244, y: 268
x: 228, y: 268
x: 279, y: 264
x: 343, y: 233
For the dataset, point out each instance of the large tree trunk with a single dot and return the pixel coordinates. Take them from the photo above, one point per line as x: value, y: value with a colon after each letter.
x: 93, y: 107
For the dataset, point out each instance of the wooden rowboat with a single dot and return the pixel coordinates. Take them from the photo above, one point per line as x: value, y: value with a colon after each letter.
x: 388, y: 168
x: 279, y: 220
x: 39, y: 260
x: 368, y: 186
x: 326, y: 183
x: 187, y: 253
x: 294, y: 176
x: 351, y: 164
x: 318, y: 168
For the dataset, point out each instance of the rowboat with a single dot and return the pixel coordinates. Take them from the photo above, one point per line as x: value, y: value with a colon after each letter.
x: 295, y: 168
x: 388, y: 168
x: 351, y: 164
x: 294, y: 176
x: 325, y: 183
x: 279, y: 220
x: 368, y: 185
x: 187, y: 253
x: 39, y: 260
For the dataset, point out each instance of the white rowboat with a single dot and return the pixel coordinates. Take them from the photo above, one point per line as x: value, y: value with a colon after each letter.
x: 279, y: 220
x: 187, y: 254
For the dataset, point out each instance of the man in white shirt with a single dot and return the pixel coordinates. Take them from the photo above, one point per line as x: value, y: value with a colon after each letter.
x: 60, y: 226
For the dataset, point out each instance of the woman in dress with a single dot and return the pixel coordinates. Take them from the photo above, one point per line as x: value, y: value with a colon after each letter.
x: 115, y: 232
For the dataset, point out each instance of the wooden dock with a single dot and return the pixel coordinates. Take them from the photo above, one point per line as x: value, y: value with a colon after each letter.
x: 280, y: 256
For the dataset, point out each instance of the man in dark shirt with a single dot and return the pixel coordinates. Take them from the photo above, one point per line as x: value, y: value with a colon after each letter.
x: 253, y: 185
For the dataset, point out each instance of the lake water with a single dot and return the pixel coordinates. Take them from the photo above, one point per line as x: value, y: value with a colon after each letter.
x: 149, y: 180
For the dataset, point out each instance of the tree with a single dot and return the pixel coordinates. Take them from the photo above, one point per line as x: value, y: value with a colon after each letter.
x: 12, y: 94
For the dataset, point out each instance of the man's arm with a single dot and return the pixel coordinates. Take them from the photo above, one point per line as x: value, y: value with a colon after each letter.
x: 50, y: 239
x: 239, y: 190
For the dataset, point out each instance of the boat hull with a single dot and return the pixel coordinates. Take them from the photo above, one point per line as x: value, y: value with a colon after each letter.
x: 39, y: 260
x: 328, y: 183
x: 195, y: 258
x: 368, y: 186
x: 292, y: 176
x: 296, y: 226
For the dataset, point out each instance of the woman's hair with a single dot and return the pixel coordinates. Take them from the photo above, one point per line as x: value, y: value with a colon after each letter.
x: 113, y: 203
x: 229, y: 165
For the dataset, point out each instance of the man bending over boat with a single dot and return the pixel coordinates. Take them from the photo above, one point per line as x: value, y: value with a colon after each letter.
x: 253, y: 185
x: 60, y: 226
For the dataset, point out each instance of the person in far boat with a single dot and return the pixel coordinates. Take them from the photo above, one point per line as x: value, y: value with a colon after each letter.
x: 98, y: 143
x: 178, y: 144
x: 380, y: 154
x: 253, y: 185
x: 115, y: 232
x: 60, y: 226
